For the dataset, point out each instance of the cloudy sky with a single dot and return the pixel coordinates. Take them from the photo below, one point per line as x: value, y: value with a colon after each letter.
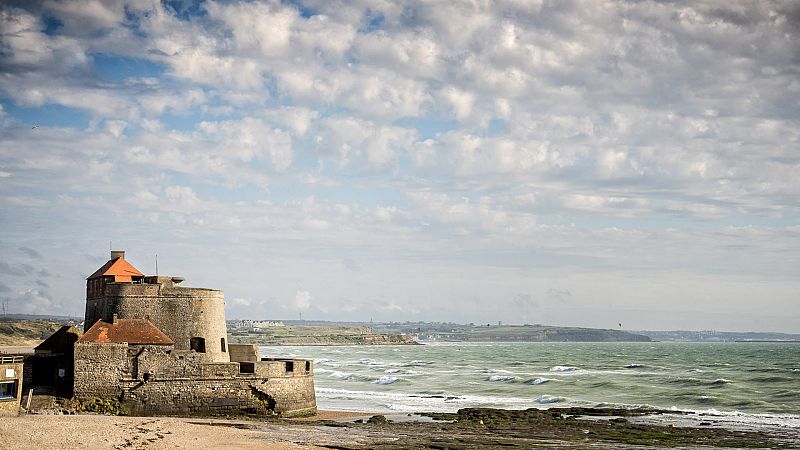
x: 570, y: 163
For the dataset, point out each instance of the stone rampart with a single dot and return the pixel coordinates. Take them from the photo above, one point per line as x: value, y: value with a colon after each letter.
x: 150, y: 380
x: 287, y: 396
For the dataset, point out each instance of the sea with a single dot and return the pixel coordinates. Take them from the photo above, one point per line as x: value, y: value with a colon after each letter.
x: 737, y: 385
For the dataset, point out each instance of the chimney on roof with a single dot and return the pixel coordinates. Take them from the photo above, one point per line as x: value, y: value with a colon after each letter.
x: 117, y: 254
x: 114, y: 319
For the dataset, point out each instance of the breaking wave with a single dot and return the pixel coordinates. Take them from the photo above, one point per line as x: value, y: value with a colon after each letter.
x: 547, y: 399
x: 501, y: 378
x: 385, y: 380
x: 563, y: 369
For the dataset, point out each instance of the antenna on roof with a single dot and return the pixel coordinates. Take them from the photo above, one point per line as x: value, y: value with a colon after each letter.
x: 156, y: 264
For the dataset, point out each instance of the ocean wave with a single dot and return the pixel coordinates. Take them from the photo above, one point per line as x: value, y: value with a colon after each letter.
x: 633, y: 366
x: 771, y: 379
x: 563, y: 369
x: 685, y: 381
x: 537, y: 381
x: 341, y: 375
x: 401, y: 372
x: 371, y: 362
x: 385, y: 380
x: 547, y: 399
x: 330, y: 363
x: 501, y: 378
x: 419, y: 362
x: 495, y: 371
x: 602, y: 384
x: 734, y: 420
x: 411, y: 402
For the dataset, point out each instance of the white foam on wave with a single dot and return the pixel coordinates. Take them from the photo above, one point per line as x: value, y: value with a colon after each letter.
x: 330, y: 363
x: 496, y: 371
x: 401, y: 372
x: 371, y: 362
x: 385, y: 380
x: 341, y: 375
x: 547, y: 399
x: 500, y: 378
x: 563, y: 369
x: 418, y: 362
x: 538, y: 381
x: 731, y: 420
x: 409, y: 402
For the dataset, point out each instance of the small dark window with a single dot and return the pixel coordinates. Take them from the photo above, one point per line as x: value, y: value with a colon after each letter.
x: 290, y: 366
x: 247, y: 367
x: 8, y: 389
x: 222, y: 343
x: 308, y: 366
x: 198, y: 344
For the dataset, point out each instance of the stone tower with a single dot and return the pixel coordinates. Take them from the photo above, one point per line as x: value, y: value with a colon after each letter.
x: 194, y: 318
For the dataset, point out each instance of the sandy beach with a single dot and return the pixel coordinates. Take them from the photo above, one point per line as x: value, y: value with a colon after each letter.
x: 474, y: 428
x: 96, y: 431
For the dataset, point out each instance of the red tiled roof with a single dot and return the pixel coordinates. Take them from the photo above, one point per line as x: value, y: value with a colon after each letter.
x: 132, y: 331
x: 116, y: 266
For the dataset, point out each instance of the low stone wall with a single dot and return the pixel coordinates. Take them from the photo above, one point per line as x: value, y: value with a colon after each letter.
x: 243, y: 352
x: 252, y: 396
x: 269, y: 367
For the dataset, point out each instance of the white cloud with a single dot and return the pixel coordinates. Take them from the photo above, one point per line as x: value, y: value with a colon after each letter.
x: 302, y: 300
x: 457, y: 151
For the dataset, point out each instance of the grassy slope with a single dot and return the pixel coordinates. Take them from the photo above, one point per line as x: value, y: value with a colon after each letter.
x: 26, y: 332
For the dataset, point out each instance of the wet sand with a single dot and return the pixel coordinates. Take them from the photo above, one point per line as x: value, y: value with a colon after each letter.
x: 470, y: 428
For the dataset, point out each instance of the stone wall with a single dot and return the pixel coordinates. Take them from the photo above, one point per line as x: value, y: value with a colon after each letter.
x: 182, y: 313
x: 99, y: 367
x: 244, y: 352
x: 221, y: 396
x: 150, y: 379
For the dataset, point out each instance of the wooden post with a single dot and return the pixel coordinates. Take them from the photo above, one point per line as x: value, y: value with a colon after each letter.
x: 28, y: 403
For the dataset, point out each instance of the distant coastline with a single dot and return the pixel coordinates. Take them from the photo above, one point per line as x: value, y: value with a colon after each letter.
x: 20, y: 329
